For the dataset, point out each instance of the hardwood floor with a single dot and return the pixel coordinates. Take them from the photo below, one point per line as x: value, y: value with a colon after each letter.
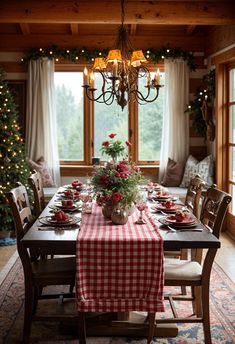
x: 224, y: 257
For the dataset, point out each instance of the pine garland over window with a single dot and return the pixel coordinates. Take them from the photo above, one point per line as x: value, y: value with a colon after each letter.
x: 76, y: 55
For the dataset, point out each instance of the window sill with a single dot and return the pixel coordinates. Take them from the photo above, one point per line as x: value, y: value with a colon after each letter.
x: 83, y: 170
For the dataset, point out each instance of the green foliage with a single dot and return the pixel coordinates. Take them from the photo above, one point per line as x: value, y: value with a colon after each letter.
x: 116, y: 184
x: 13, y: 164
x: 77, y: 54
x: 113, y: 148
x: 69, y: 125
x: 205, y: 93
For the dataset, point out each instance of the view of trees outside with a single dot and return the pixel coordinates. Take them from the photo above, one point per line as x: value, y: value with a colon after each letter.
x: 108, y: 119
x: 69, y: 112
x: 150, y: 124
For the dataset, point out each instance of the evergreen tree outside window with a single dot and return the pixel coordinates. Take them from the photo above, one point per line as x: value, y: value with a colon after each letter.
x: 69, y: 113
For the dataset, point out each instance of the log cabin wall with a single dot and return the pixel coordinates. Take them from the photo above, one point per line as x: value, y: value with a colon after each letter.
x: 11, y: 63
x: 201, y: 27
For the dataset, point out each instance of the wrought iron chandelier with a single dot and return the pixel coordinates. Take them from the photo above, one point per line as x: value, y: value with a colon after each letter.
x: 120, y: 72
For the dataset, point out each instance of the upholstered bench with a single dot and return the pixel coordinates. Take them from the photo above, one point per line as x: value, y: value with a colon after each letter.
x: 49, y: 193
x: 177, y: 191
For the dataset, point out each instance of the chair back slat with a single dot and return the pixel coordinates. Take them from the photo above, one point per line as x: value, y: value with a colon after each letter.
x: 214, y: 208
x: 21, y: 211
x: 35, y: 182
x: 193, y: 196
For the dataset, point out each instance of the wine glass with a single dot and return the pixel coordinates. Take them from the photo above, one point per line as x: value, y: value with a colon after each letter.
x: 84, y: 197
x: 141, y: 205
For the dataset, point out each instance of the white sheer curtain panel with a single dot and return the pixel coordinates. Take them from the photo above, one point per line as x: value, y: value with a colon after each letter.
x: 175, y: 133
x: 41, y: 137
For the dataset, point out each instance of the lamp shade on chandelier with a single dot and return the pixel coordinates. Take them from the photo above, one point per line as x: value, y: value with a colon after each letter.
x: 120, y: 72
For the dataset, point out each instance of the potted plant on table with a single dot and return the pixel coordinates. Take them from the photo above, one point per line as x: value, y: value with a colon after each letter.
x: 116, y: 183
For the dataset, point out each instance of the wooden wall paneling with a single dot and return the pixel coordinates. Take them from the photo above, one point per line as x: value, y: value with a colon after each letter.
x: 13, y: 67
x: 23, y: 43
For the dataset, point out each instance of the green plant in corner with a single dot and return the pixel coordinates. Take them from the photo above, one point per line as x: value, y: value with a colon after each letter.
x: 204, y: 96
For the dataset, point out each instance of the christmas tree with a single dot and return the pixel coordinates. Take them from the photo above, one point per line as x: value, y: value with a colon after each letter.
x: 13, y: 164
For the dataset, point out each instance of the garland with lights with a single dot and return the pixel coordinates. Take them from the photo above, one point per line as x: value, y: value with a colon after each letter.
x: 76, y: 55
x: 13, y: 165
x: 203, y: 100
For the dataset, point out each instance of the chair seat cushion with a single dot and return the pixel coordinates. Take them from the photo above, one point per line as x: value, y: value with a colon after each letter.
x: 176, y: 269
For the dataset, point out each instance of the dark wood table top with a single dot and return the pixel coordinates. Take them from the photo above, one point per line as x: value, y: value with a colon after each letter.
x: 63, y: 241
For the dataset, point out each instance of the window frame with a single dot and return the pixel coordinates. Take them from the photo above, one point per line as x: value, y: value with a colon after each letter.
x: 79, y: 168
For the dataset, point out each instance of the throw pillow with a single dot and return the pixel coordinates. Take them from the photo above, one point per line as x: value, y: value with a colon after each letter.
x: 205, y: 168
x: 41, y: 166
x: 173, y: 174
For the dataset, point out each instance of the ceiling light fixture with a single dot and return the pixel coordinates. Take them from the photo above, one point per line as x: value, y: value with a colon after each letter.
x: 120, y: 72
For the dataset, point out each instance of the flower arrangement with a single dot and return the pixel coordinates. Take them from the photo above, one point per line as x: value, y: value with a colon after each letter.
x: 114, y: 148
x: 116, y: 184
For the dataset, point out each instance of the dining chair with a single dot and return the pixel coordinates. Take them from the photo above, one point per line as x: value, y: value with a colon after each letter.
x: 193, y: 195
x: 193, y: 204
x: 195, y: 272
x: 35, y: 182
x: 38, y: 273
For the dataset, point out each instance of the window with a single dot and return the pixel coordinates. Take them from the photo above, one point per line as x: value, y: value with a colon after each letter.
x: 150, y: 125
x: 108, y: 119
x: 83, y: 125
x: 69, y: 114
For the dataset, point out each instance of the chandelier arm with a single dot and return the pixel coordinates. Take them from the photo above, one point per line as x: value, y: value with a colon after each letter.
x: 107, y: 101
x: 139, y: 96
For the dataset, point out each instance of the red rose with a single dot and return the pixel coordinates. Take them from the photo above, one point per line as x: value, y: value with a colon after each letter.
x: 104, y: 180
x: 105, y: 143
x: 112, y: 135
x: 116, y: 197
x: 117, y: 175
x: 123, y: 175
x: 128, y: 143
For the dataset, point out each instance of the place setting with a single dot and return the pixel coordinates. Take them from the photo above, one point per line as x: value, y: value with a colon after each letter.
x: 59, y: 220
x: 67, y: 205
x: 181, y: 220
x: 168, y: 206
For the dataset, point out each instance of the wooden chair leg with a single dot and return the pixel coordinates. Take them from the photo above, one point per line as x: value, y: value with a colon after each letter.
x: 81, y: 328
x: 151, y: 318
x: 206, y: 314
x: 197, y: 302
x: 28, y: 312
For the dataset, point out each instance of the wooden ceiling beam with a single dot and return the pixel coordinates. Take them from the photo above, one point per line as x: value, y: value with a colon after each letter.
x: 104, y: 11
x: 190, y: 29
x: 74, y: 29
x: 13, y: 43
x: 24, y: 27
x: 133, y: 29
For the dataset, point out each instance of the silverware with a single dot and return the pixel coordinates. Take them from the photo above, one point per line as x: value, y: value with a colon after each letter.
x: 191, y: 230
x: 48, y: 228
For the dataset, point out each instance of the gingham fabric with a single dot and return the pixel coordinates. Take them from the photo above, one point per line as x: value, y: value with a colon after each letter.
x: 119, y: 267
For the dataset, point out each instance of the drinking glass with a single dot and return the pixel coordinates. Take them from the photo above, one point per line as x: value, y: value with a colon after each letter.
x: 141, y: 205
x: 84, y: 197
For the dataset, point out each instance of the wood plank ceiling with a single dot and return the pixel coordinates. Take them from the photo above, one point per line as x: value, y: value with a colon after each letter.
x: 67, y: 23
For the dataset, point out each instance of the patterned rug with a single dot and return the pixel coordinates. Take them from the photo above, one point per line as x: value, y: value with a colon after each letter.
x: 11, y: 316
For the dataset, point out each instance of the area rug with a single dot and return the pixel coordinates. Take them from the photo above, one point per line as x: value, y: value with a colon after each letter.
x: 11, y: 316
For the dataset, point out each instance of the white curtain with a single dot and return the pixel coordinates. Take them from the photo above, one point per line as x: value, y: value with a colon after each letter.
x: 175, y: 134
x: 41, y: 135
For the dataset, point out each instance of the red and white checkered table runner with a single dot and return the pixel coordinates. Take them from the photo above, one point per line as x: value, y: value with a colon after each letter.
x: 119, y: 267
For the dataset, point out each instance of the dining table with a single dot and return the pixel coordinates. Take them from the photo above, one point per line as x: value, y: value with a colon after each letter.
x: 53, y: 240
